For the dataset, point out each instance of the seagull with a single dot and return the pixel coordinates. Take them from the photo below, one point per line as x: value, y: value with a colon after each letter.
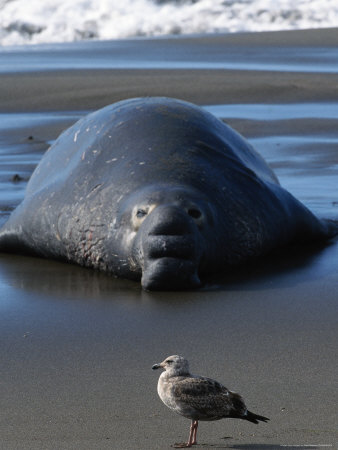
x: 198, y: 398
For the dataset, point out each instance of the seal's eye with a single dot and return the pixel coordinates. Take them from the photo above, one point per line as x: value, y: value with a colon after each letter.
x: 140, y: 213
x: 194, y: 213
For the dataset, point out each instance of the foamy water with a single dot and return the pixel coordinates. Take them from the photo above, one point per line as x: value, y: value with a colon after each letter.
x: 37, y: 21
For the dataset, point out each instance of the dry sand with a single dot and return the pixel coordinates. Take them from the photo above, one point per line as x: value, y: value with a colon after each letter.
x: 77, y: 346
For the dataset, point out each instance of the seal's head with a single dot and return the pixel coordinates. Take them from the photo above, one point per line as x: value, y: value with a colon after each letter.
x: 167, y: 229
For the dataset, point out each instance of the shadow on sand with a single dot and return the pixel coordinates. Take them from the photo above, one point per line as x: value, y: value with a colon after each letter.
x: 264, y: 446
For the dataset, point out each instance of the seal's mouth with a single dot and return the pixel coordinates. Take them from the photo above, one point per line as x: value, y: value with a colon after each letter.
x: 169, y: 273
x: 171, y: 262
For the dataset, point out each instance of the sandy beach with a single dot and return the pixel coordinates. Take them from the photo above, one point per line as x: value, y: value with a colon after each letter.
x: 77, y: 346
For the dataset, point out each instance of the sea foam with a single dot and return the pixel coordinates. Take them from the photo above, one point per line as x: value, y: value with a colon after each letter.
x: 36, y: 21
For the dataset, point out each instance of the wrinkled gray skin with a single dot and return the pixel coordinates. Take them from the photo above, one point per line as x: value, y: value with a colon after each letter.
x: 159, y: 190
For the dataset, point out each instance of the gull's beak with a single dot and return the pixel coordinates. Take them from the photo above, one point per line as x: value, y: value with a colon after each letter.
x: 156, y: 366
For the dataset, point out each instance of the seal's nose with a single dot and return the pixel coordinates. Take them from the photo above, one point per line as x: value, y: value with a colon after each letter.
x: 169, y: 248
x: 170, y: 220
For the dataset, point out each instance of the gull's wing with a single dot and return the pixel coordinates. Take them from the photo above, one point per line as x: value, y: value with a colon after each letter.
x: 207, y: 397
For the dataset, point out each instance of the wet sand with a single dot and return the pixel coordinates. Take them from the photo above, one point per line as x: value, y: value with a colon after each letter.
x: 77, y: 346
x: 240, y: 68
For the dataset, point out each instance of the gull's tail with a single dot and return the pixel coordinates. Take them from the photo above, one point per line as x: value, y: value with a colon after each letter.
x: 255, y: 418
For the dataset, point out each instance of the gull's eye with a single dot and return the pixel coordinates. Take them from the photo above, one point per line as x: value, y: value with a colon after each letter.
x: 169, y: 361
x: 140, y: 213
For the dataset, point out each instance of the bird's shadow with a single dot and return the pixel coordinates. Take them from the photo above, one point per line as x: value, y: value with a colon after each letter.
x: 258, y: 446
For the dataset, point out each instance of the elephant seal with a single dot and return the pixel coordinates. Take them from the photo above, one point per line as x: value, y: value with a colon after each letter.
x: 156, y: 189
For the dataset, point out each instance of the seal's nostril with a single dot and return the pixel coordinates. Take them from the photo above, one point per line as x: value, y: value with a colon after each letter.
x: 194, y: 213
x: 169, y: 220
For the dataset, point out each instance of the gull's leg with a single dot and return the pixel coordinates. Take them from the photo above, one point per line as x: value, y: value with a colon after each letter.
x: 194, y: 440
x: 191, y: 436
